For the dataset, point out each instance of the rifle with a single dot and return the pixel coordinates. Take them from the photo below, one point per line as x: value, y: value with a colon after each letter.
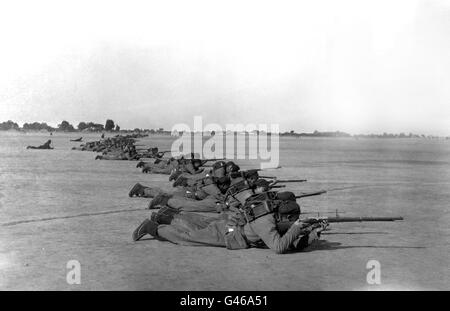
x: 153, y: 155
x: 277, y: 181
x: 277, y: 186
x: 289, y: 180
x: 284, y: 225
x: 310, y: 194
x: 207, y: 160
x: 319, y: 213
x: 313, y: 220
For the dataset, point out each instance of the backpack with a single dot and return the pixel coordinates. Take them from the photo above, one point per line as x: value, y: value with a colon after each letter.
x: 237, y: 188
x: 285, y: 212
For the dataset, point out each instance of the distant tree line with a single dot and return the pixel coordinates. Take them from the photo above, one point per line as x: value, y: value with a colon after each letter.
x: 64, y: 126
x: 8, y: 125
x: 343, y: 134
x: 316, y: 134
x: 36, y: 126
x: 110, y: 125
x: 91, y: 126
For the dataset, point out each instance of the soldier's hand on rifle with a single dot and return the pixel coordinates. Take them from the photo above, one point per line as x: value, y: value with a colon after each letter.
x: 321, y: 225
x: 302, y: 224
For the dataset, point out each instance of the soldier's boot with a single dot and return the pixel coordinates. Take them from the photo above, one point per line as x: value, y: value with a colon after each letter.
x: 146, y: 170
x: 140, y: 164
x: 137, y: 190
x: 175, y: 174
x: 148, y: 226
x: 98, y: 157
x: 181, y: 181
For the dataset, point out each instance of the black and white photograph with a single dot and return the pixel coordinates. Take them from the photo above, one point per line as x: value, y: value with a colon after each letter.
x: 204, y: 146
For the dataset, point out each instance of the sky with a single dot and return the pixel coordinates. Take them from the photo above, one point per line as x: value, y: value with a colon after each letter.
x: 354, y: 66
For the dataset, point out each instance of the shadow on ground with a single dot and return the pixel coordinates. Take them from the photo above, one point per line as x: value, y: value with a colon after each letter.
x: 323, y: 245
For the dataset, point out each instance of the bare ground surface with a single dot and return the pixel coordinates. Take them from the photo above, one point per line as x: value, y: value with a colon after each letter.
x: 33, y: 255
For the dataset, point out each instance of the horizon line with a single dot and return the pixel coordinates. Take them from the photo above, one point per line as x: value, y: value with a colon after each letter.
x: 287, y: 132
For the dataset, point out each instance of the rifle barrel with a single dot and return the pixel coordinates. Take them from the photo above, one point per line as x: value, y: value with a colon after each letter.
x: 290, y: 180
x: 354, y: 219
x: 303, y: 195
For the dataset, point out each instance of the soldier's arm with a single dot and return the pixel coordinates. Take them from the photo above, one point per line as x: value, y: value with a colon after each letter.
x: 265, y: 228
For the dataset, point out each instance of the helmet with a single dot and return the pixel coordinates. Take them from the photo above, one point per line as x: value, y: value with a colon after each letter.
x: 261, y: 183
x: 196, y: 163
x: 231, y: 167
x: 218, y: 169
x: 218, y: 164
x: 251, y: 175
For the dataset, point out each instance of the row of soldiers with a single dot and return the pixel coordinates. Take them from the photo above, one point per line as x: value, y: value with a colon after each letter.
x: 218, y: 205
x: 114, y: 148
x: 222, y: 206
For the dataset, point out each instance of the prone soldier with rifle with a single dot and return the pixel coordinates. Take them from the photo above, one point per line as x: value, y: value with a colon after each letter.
x: 154, y: 153
x: 232, y: 230
x: 201, y: 196
x: 189, y: 170
x: 255, y: 216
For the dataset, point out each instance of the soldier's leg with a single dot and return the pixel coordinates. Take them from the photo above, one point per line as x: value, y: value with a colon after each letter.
x: 212, y: 235
x: 158, y: 170
x: 161, y: 164
x: 192, y: 179
x: 189, y: 205
x: 151, y: 192
x: 148, y: 165
x: 179, y: 202
x: 108, y: 157
x: 167, y: 215
x: 193, y: 221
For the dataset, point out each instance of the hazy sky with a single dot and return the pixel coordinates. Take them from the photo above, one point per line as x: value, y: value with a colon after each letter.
x: 355, y: 66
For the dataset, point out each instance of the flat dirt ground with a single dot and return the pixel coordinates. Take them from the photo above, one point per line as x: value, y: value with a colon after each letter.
x: 62, y: 205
